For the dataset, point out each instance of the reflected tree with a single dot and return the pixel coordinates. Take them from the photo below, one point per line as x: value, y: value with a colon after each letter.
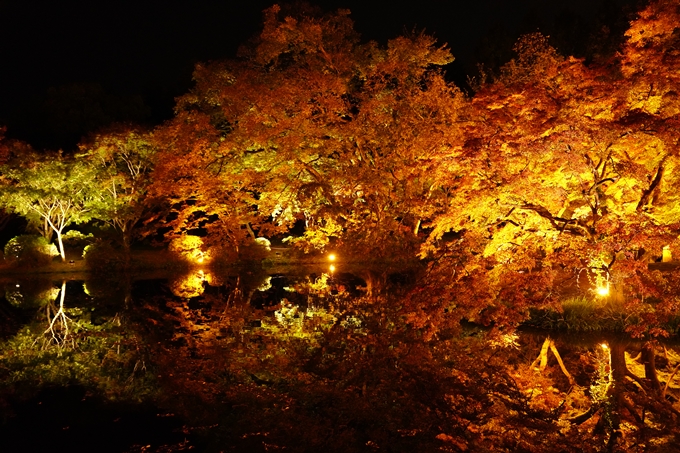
x: 58, y: 331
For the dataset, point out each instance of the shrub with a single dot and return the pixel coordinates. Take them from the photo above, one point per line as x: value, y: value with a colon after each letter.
x: 30, y: 250
x: 31, y: 294
x: 103, y: 255
x: 74, y: 238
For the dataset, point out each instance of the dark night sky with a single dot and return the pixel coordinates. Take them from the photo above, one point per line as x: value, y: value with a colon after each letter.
x: 71, y: 66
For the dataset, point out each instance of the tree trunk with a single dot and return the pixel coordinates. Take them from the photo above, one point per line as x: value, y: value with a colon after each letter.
x: 617, y: 354
x: 649, y: 360
x: 250, y: 231
x: 668, y: 382
x: 57, y: 330
x: 559, y: 361
x: 542, y: 356
x: 126, y: 237
x: 47, y: 230
x: 61, y: 247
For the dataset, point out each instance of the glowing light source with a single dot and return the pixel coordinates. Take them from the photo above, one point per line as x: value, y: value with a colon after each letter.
x: 331, y: 257
x: 666, y: 256
x: 602, y: 290
x: 604, y: 346
x: 332, y: 268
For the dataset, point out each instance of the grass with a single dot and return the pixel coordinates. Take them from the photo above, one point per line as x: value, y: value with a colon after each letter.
x: 580, y: 314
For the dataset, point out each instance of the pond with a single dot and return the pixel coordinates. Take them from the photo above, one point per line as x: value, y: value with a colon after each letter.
x: 310, y: 359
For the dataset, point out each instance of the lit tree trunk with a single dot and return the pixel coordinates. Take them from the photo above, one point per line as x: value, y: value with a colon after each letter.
x: 561, y: 363
x: 57, y: 331
x: 649, y: 360
x: 61, y: 247
x: 542, y: 359
x: 250, y: 231
x: 611, y: 418
x: 56, y: 216
x: 47, y: 231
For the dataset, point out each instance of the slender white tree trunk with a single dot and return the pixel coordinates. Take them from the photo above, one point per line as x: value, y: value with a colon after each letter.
x: 61, y: 247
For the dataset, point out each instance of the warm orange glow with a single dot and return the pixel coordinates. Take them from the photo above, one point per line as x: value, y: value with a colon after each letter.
x: 332, y: 268
x: 602, y: 290
x: 667, y: 256
x: 331, y: 257
x: 604, y: 346
x: 191, y: 248
x: 189, y: 285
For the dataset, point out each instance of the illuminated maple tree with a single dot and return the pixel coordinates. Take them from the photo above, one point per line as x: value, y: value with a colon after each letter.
x: 566, y: 187
x: 312, y: 125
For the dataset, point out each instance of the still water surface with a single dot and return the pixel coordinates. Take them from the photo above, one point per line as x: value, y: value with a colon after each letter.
x: 304, y: 359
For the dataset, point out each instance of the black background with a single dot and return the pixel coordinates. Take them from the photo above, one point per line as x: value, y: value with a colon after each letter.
x: 70, y: 67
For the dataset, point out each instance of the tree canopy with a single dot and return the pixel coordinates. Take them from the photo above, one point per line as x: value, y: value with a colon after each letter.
x: 554, y: 180
x: 52, y: 193
x: 551, y: 188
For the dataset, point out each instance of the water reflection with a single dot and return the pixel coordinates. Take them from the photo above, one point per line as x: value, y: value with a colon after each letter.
x: 320, y: 361
x: 189, y: 285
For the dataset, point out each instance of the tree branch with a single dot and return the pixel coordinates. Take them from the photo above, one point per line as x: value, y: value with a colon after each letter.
x: 579, y: 229
x: 655, y: 183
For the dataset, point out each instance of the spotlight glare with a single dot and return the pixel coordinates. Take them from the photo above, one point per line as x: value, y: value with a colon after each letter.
x: 602, y: 290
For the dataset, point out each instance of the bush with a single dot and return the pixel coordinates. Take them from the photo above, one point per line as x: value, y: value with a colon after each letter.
x: 103, y: 255
x: 30, y: 250
x: 74, y: 238
x: 31, y: 294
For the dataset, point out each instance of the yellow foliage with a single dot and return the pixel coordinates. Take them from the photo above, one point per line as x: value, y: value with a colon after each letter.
x: 191, y: 248
x: 190, y: 285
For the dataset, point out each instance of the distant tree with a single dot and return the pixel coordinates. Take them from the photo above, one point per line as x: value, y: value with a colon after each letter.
x: 122, y: 161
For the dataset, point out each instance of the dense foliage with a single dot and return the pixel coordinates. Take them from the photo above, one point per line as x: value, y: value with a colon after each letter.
x: 550, y: 190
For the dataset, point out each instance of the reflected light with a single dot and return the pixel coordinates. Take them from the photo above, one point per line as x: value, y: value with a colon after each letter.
x: 604, y: 346
x: 332, y: 268
x: 189, y: 285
